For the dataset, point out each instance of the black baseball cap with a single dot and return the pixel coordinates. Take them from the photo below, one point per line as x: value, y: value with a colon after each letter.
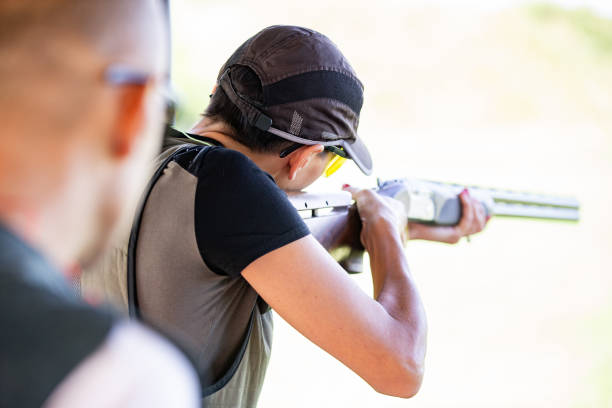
x: 311, y: 95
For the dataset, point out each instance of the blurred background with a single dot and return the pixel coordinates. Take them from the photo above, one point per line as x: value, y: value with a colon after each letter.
x: 501, y: 94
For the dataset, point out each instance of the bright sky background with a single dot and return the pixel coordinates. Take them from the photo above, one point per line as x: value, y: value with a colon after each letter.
x: 521, y: 316
x: 603, y: 7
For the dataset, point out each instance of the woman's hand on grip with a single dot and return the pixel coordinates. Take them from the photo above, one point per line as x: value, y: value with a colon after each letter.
x: 379, y: 215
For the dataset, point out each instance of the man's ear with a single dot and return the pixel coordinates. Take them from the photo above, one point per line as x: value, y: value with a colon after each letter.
x: 301, y: 157
x: 130, y: 120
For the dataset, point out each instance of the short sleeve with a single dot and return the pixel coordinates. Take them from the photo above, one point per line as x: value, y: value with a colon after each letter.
x: 240, y: 213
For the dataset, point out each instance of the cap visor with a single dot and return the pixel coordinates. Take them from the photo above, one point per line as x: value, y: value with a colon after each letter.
x: 360, y: 154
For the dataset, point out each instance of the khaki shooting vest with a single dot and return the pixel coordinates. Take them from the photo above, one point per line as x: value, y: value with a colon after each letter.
x: 158, y: 275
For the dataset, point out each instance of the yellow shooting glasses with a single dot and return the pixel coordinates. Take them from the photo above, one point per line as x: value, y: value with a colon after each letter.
x: 340, y: 156
x: 336, y: 161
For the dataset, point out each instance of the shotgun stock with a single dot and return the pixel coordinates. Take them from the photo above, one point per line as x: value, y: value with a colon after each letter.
x: 333, y: 219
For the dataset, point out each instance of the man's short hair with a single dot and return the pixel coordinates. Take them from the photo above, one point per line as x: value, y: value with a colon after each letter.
x: 50, y: 48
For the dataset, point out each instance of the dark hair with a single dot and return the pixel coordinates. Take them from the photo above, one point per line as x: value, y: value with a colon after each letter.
x: 221, y: 108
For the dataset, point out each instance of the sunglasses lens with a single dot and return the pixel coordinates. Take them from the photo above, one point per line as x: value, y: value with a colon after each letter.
x: 334, y: 164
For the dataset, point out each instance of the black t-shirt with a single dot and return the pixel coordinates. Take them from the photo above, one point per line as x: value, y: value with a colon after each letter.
x: 240, y: 213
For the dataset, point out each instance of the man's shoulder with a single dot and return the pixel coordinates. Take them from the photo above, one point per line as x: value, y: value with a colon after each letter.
x: 24, y: 301
x: 32, y: 288
x: 153, y: 373
x: 45, y: 317
x: 46, y: 329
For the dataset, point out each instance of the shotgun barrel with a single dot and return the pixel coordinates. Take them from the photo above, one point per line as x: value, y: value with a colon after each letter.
x: 438, y: 203
x: 333, y: 221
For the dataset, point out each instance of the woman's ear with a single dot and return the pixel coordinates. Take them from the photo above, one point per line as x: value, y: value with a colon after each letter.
x: 301, y: 157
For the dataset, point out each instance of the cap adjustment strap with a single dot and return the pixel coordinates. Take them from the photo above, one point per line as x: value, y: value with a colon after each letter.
x: 253, y: 115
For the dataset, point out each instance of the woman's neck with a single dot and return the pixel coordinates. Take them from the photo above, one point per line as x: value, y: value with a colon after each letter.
x: 268, y: 162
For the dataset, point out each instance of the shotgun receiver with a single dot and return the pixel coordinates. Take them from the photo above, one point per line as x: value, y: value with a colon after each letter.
x: 334, y: 222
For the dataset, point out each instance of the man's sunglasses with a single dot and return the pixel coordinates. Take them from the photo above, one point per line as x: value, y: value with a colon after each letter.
x: 119, y: 74
x: 334, y: 164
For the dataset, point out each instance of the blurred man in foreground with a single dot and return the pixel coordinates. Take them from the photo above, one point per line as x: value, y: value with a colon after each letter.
x: 80, y: 112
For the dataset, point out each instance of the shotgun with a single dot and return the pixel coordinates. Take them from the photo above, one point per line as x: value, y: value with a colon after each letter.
x: 334, y: 222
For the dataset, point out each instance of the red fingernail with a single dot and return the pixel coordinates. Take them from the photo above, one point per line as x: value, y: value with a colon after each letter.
x: 346, y: 185
x: 465, y: 192
x: 488, y: 217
